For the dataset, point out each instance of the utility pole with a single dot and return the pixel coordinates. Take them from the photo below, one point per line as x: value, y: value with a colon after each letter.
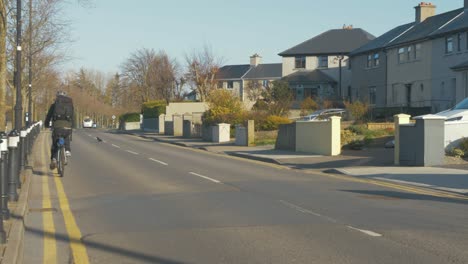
x: 18, y: 106
x: 30, y: 115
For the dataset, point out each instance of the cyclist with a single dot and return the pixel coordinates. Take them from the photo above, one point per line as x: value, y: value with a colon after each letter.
x: 61, y: 114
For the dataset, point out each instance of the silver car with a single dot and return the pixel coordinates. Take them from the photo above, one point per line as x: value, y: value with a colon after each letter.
x: 324, y: 114
x: 457, y: 113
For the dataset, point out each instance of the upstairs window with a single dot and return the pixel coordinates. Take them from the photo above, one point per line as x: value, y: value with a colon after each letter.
x: 410, y: 54
x: 459, y: 42
x: 449, y: 45
x: 401, y: 55
x: 376, y: 60
x: 265, y: 83
x: 417, y: 51
x: 323, y: 61
x: 369, y: 61
x: 300, y: 62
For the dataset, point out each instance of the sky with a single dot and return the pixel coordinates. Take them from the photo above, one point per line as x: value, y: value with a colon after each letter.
x: 109, y: 31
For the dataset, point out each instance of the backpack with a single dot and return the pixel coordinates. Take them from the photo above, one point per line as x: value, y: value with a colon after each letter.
x: 63, y: 109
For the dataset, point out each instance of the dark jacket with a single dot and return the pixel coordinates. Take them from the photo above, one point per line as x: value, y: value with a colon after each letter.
x: 57, y: 123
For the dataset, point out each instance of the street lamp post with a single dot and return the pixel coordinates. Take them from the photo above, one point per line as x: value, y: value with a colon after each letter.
x: 18, y: 106
x: 30, y: 115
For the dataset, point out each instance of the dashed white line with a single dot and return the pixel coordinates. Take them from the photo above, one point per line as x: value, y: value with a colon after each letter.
x: 204, y: 177
x: 134, y: 153
x: 115, y: 146
x: 306, y: 211
x: 158, y: 161
x: 367, y: 232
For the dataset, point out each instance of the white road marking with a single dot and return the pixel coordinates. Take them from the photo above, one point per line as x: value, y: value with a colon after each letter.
x: 204, y: 177
x: 134, y: 153
x: 367, y: 232
x: 306, y: 211
x: 158, y: 161
x: 115, y: 146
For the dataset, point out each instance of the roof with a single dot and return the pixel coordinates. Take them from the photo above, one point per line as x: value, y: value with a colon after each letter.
x: 335, y: 41
x: 431, y: 27
x: 262, y: 71
x: 459, y: 23
x: 383, y: 40
x: 461, y: 66
x: 315, y: 76
x: 232, y: 72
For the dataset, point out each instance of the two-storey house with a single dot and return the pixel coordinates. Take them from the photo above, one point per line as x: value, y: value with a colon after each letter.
x: 417, y: 64
x: 319, y: 67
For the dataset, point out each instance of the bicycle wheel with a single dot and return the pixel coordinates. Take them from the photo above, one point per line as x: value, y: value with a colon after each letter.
x: 61, y: 161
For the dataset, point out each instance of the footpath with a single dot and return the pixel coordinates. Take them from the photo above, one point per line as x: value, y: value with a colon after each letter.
x: 371, y: 163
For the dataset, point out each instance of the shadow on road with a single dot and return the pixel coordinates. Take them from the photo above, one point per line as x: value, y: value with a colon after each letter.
x: 136, y: 256
x: 404, y: 196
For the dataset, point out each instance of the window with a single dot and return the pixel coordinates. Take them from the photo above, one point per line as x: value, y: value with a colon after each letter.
x: 300, y: 62
x: 401, y: 54
x: 409, y: 53
x: 265, y: 83
x: 220, y: 85
x: 372, y: 95
x: 376, y: 59
x: 417, y: 51
x: 449, y: 45
x: 323, y: 61
x: 459, y: 41
x: 230, y: 84
x: 369, y: 61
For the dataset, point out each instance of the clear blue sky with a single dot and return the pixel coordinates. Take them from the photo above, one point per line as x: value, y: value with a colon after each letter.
x: 107, y: 33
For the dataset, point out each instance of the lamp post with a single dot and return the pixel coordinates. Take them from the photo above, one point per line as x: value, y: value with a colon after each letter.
x: 18, y: 106
x: 30, y: 116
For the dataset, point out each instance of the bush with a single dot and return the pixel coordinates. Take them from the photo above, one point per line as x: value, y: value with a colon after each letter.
x: 272, y: 122
x: 308, y: 106
x: 358, y: 110
x: 260, y: 105
x: 130, y: 117
x: 347, y: 136
x: 464, y: 145
x: 456, y: 152
x: 152, y: 109
x: 224, y: 108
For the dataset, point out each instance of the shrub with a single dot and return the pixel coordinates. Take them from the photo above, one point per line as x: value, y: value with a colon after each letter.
x: 456, y: 152
x: 347, y: 136
x: 152, y: 109
x: 464, y: 145
x: 224, y: 108
x: 358, y: 110
x: 308, y: 106
x: 272, y: 122
x: 130, y: 117
x: 260, y: 105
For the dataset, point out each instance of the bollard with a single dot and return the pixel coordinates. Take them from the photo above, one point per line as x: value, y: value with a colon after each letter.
x: 4, y: 176
x: 13, y: 164
x: 3, y: 143
x: 22, y: 148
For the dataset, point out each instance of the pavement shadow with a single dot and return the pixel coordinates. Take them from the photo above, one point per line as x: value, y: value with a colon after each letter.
x: 137, y: 256
x: 406, y: 196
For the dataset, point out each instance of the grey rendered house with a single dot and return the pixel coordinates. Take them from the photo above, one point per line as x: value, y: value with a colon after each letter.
x: 417, y: 68
x: 238, y: 78
x: 318, y: 67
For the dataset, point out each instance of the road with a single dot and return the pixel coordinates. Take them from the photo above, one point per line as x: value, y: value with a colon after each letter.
x: 133, y: 200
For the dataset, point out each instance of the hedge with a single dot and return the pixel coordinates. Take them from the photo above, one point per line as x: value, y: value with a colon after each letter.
x: 152, y: 109
x: 130, y: 117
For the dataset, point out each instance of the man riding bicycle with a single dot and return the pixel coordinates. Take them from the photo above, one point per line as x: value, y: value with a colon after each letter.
x: 61, y: 114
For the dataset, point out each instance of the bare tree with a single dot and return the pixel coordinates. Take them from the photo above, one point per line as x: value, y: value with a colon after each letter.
x: 202, y: 67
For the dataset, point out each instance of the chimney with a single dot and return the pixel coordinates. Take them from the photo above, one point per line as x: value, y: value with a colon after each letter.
x: 425, y: 10
x: 255, y: 60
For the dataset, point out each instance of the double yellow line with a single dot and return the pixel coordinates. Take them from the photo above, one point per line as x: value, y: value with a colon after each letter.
x: 80, y: 255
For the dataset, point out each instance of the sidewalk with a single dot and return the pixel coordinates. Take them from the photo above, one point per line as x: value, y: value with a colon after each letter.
x: 371, y: 163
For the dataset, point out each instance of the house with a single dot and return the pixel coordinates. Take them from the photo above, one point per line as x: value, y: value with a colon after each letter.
x: 318, y: 67
x: 418, y: 66
x: 241, y: 79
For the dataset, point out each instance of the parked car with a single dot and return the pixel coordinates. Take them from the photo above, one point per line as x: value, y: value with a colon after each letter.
x: 324, y: 114
x: 87, y: 123
x: 457, y: 113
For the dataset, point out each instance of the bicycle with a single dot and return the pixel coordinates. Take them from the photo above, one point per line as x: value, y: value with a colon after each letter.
x: 61, y: 156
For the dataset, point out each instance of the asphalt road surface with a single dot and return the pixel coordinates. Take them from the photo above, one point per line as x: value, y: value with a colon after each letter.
x: 127, y: 199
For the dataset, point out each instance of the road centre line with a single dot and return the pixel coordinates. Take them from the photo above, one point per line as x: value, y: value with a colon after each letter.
x: 158, y: 161
x: 115, y: 146
x: 306, y: 211
x: 204, y: 177
x: 367, y: 232
x: 134, y: 153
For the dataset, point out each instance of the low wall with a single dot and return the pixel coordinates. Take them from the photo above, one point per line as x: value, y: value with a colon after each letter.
x: 182, y: 108
x: 178, y: 126
x: 319, y: 137
x: 151, y: 124
x: 379, y: 126
x: 131, y: 126
x: 168, y: 128
x: 454, y: 134
x: 286, y: 139
x: 207, y: 133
